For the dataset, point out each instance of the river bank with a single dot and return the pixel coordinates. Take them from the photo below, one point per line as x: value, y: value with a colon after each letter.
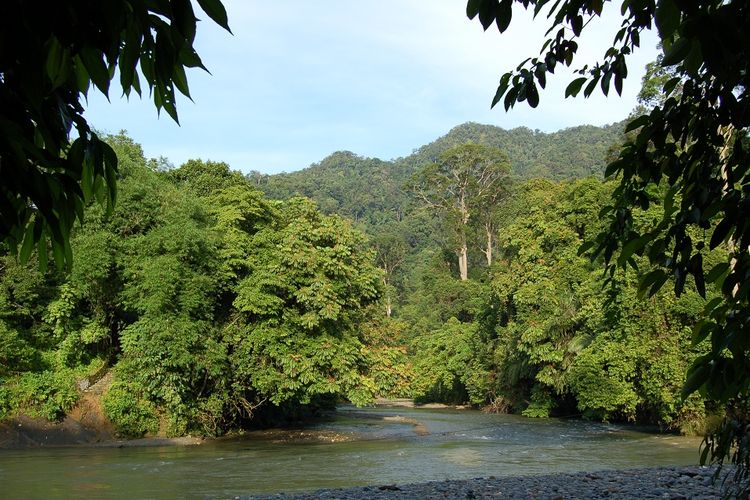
x: 660, y: 482
x: 352, y: 448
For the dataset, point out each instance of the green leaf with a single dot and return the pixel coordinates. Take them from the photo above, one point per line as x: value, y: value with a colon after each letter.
x: 701, y: 330
x: 696, y: 377
x: 591, y: 86
x: 586, y: 246
x: 501, y: 88
x: 667, y: 18
x: 82, y: 76
x: 532, y: 95
x: 677, y: 52
x: 637, y: 123
x: 28, y: 243
x: 574, y: 87
x: 96, y: 67
x: 180, y: 80
x: 631, y: 247
x: 472, y: 8
x: 670, y: 85
x: 717, y: 271
x: 216, y: 11
x: 503, y: 15
x: 721, y: 232
x: 711, y: 305
x: 58, y: 63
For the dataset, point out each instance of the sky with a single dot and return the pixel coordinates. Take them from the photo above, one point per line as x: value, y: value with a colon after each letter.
x: 299, y: 80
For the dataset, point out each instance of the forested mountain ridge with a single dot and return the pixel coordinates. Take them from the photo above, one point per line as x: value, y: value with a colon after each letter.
x: 373, y: 189
x: 569, y: 153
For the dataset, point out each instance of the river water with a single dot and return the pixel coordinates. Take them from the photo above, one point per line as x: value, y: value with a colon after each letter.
x: 355, y: 447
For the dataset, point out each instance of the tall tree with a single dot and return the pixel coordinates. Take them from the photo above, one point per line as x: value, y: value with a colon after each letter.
x: 50, y: 54
x: 390, y: 252
x: 461, y: 184
x: 696, y: 144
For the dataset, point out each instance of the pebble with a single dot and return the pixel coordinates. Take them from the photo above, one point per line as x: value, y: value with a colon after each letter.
x: 664, y: 482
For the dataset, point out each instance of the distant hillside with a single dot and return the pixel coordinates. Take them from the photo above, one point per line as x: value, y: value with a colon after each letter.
x: 570, y: 153
x: 370, y: 189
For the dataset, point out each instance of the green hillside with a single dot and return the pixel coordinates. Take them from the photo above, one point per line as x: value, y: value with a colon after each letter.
x: 371, y: 190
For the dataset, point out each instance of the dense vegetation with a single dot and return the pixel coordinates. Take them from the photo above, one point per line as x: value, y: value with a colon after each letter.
x: 216, y: 307
x: 206, y: 299
x: 343, y: 182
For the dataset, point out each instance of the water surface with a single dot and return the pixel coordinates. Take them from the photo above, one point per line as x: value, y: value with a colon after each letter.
x: 370, y: 446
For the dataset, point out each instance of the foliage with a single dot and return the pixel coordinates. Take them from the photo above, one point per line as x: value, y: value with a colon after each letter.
x: 463, y: 185
x: 441, y: 368
x: 300, y: 305
x: 131, y: 413
x: 695, y: 142
x: 50, y: 55
x: 48, y: 394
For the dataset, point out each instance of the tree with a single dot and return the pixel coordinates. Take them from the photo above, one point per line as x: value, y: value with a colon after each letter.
x: 464, y: 182
x: 390, y: 252
x: 50, y: 55
x: 695, y: 144
x: 297, y: 335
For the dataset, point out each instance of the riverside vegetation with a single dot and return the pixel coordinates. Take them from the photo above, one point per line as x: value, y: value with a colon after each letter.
x: 220, y: 300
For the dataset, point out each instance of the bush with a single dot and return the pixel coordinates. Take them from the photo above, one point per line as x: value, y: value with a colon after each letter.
x: 46, y: 394
x: 132, y: 415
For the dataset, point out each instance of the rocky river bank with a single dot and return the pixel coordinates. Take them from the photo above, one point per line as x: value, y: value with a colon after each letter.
x: 661, y: 482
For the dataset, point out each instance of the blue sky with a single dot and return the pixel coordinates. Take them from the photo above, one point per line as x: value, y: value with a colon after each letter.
x: 299, y: 80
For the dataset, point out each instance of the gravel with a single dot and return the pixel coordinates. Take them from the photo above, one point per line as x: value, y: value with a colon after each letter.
x: 664, y: 482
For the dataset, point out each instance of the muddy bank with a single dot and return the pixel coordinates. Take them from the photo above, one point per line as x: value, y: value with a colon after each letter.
x: 86, y: 425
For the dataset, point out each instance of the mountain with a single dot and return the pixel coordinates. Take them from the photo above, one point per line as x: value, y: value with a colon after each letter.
x: 570, y: 153
x: 370, y: 189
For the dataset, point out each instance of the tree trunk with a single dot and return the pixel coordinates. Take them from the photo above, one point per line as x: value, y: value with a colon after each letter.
x: 488, y: 251
x: 463, y: 261
x: 388, y: 305
x: 463, y: 251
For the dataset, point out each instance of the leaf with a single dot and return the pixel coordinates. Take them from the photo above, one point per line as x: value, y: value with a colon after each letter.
x: 637, y: 123
x: 574, y: 87
x: 717, y: 271
x: 487, y: 14
x: 184, y: 18
x: 618, y: 83
x: 721, y: 232
x: 669, y: 87
x: 28, y: 243
x: 472, y: 8
x: 696, y: 377
x: 586, y: 246
x: 591, y: 86
x: 96, y: 67
x: 613, y: 167
x: 701, y: 330
x: 503, y: 15
x: 677, y: 52
x: 631, y: 247
x: 532, y: 95
x: 667, y: 18
x: 216, y: 11
x: 180, y: 80
x: 501, y: 88
x: 605, y: 82
x: 58, y: 65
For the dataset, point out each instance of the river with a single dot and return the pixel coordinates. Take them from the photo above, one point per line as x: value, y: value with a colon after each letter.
x: 355, y: 447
